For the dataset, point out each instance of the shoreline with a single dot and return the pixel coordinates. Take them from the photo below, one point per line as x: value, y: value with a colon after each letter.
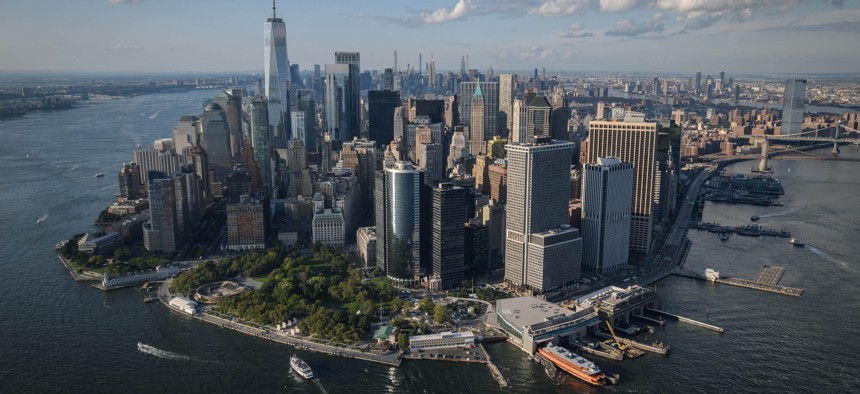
x: 392, y: 360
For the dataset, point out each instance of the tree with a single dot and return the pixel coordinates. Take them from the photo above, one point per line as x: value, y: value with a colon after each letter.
x: 426, y: 304
x: 395, y: 305
x: 440, y: 314
x: 402, y: 340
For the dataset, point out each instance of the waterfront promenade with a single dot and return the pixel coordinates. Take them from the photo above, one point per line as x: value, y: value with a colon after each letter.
x: 268, y: 333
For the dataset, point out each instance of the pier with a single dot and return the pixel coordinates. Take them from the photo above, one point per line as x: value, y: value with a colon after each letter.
x: 605, y: 354
x: 767, y: 280
x: 688, y: 320
x: 658, y: 348
x: 646, y: 319
x: 497, y: 374
x: 752, y: 230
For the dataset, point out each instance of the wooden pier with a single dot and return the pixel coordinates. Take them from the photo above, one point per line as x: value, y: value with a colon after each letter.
x: 790, y: 291
x: 687, y: 320
x: 767, y: 279
x: 769, y: 275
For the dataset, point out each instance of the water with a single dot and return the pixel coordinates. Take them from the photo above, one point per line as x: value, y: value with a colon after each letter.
x: 59, y: 335
x: 754, y: 104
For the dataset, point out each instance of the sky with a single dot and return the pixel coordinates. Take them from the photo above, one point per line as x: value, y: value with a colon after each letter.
x: 168, y: 36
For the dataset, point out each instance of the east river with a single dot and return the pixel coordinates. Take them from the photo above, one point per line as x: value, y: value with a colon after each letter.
x: 57, y: 335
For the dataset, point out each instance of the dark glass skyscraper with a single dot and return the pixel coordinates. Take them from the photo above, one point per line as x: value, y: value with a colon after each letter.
x: 398, y: 221
x: 449, y: 216
x: 277, y: 77
x: 381, y: 105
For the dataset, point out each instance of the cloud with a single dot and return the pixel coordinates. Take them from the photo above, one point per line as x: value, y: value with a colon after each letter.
x: 124, y: 1
x: 537, y: 52
x: 570, y: 34
x: 460, y: 10
x: 631, y: 28
x: 576, y: 27
x: 834, y: 27
x: 561, y: 7
x: 617, y: 5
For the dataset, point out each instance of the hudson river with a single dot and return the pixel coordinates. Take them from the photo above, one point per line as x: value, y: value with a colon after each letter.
x: 57, y: 335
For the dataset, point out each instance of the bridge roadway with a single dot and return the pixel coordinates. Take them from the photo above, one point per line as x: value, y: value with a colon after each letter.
x: 855, y: 141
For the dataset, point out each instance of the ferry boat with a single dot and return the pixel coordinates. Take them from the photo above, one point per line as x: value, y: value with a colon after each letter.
x: 301, y: 367
x: 796, y: 242
x: 99, y: 175
x: 574, y: 364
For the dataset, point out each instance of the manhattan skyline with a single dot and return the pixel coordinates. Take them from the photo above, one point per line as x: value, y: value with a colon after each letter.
x: 152, y: 36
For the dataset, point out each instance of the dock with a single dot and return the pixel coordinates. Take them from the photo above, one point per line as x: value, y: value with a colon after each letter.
x: 497, y: 374
x: 790, y: 291
x: 605, y: 354
x: 687, y: 320
x: 767, y: 279
x: 645, y: 319
x: 658, y: 348
x: 752, y: 230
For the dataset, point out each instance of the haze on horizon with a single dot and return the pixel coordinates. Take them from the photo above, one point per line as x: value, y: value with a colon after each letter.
x: 160, y: 36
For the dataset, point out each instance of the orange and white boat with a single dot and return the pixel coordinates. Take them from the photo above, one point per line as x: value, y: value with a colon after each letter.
x: 574, y: 364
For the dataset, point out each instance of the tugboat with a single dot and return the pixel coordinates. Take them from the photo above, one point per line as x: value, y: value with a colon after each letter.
x: 301, y: 367
x: 796, y: 242
x: 755, y: 218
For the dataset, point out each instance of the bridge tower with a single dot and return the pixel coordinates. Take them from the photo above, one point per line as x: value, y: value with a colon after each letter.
x: 762, y: 164
x: 835, y: 150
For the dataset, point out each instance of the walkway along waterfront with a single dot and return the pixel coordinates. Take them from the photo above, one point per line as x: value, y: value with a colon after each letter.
x: 392, y: 359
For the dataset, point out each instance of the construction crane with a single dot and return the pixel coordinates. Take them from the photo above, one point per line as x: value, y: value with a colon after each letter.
x: 611, y: 331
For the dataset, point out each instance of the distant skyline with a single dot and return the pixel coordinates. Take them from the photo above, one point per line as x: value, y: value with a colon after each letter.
x: 161, y: 36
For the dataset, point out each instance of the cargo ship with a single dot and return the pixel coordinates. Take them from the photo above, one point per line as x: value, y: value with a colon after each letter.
x: 574, y: 364
x: 301, y: 367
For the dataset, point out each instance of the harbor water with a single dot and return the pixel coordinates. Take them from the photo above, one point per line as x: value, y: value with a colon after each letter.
x: 62, y: 336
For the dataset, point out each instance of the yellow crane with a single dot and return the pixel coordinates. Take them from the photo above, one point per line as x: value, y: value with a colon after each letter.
x: 611, y: 331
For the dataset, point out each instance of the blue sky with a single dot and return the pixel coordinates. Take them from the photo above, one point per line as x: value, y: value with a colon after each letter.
x: 759, y: 36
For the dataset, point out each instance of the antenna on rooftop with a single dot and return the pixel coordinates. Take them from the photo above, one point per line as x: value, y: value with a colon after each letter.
x: 273, y: 10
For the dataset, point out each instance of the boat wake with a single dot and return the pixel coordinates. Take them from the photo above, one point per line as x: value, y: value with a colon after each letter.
x: 320, y: 386
x: 782, y: 213
x: 827, y: 257
x: 154, y: 351
x: 74, y: 167
x: 155, y: 114
x: 42, y: 218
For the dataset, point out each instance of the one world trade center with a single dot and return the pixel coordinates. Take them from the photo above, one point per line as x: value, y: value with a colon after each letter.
x: 277, y: 70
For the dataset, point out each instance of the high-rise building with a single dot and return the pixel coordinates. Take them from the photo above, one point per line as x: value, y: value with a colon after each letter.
x: 129, y: 181
x: 698, y: 85
x: 490, y: 92
x: 169, y: 212
x: 366, y: 245
x: 381, y: 105
x: 247, y: 222
x: 449, y: 215
x: 215, y: 139
x: 328, y: 227
x: 388, y: 79
x: 261, y: 141
x: 297, y: 122
x: 351, y: 95
x: 360, y: 155
x: 277, y: 78
x: 306, y: 104
x: 794, y: 97
x: 506, y: 104
x: 433, y: 109
x: 606, y: 202
x: 398, y: 221
x: 493, y: 217
x: 334, y: 99
x: 431, y: 161
x: 477, y: 126
x: 186, y: 133
x: 480, y: 171
x: 459, y: 147
x: 231, y: 101
x: 497, y: 175
x: 634, y: 143
x: 542, y: 252
x: 560, y: 114
x: 519, y: 132
x: 496, y: 147
x: 539, y: 114
x: 157, y: 159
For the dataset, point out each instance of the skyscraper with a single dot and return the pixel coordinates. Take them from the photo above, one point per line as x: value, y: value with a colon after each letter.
x: 542, y: 252
x: 606, y: 202
x: 634, y: 143
x: 231, y: 101
x: 490, y: 91
x: 306, y: 103
x: 539, y: 114
x: 698, y: 86
x: 449, y: 215
x: 261, y: 141
x: 215, y: 139
x: 520, y: 122
x: 351, y: 99
x: 381, y: 105
x: 506, y: 105
x: 334, y: 99
x: 277, y: 77
x: 477, y: 127
x: 398, y: 221
x: 794, y: 98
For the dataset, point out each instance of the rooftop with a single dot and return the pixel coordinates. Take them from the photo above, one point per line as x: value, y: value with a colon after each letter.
x: 526, y: 311
x: 612, y: 295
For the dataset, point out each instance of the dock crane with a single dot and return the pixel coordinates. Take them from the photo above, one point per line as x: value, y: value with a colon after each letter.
x: 611, y: 331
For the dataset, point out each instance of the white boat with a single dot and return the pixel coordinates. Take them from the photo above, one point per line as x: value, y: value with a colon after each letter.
x: 796, y: 242
x: 41, y: 219
x: 301, y: 367
x: 99, y: 175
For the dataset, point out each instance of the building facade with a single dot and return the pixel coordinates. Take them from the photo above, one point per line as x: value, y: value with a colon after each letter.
x: 606, y: 201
